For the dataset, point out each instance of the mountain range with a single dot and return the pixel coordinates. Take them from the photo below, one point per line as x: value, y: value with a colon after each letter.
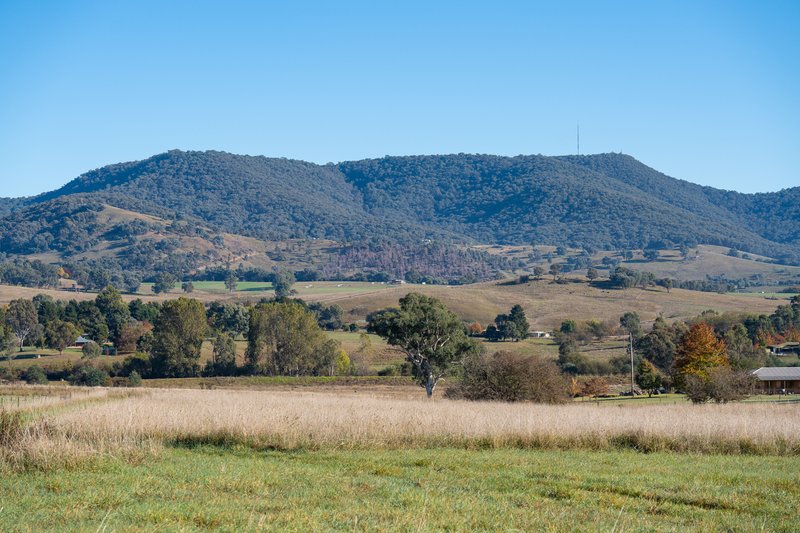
x: 604, y: 201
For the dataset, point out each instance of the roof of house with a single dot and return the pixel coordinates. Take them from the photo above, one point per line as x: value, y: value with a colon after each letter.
x: 785, y: 345
x: 778, y: 373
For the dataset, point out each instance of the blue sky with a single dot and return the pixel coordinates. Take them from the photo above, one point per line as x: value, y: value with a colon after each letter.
x: 703, y: 91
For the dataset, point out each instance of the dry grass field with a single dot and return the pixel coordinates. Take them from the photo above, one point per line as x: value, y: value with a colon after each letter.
x: 713, y: 261
x: 547, y: 304
x: 129, y: 421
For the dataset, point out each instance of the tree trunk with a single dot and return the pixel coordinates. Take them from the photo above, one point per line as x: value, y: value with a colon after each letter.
x: 430, y: 384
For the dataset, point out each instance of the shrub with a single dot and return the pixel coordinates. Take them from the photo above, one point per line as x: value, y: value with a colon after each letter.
x: 7, y: 374
x: 722, y: 386
x: 139, y: 363
x: 510, y: 377
x: 594, y: 387
x: 391, y: 370
x: 34, y: 375
x: 89, y: 376
x: 134, y: 379
x: 91, y: 350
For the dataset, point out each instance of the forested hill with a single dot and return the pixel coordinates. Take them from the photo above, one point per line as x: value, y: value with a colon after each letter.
x: 600, y: 201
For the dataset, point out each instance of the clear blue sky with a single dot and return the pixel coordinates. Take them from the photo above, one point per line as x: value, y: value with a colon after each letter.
x: 704, y: 91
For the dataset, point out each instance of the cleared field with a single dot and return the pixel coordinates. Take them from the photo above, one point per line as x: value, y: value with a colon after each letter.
x: 317, y: 290
x: 713, y: 261
x: 547, y: 304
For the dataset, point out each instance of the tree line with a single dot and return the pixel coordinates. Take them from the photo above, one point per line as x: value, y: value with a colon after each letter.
x: 284, y: 336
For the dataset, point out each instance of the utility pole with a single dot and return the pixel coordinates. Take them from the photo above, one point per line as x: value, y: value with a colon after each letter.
x: 579, y: 138
x: 630, y: 338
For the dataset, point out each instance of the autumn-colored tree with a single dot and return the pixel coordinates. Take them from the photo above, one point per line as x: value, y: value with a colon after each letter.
x: 699, y: 352
x: 792, y: 335
x: 596, y: 386
x: 130, y: 335
x: 574, y: 387
x: 475, y: 328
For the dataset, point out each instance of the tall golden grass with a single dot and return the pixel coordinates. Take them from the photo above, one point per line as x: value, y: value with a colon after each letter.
x: 309, y: 420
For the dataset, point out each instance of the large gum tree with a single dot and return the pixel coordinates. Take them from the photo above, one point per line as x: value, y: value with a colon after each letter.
x: 432, y: 337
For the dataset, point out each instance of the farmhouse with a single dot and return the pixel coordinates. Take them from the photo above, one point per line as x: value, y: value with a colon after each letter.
x: 787, y: 348
x: 539, y: 334
x: 778, y: 379
x: 82, y: 341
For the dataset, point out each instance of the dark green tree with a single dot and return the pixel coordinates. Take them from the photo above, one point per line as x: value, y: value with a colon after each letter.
x: 230, y: 281
x: 742, y: 354
x: 223, y: 362
x: 647, y: 377
x: 431, y: 336
x: 631, y: 322
x: 555, y: 270
x: 165, y: 282
x: 230, y: 317
x: 60, y: 334
x: 91, y: 350
x: 34, y: 375
x: 114, y: 310
x: 658, y: 346
x: 284, y: 279
x: 570, y: 360
x: 513, y: 325
x: 178, y: 337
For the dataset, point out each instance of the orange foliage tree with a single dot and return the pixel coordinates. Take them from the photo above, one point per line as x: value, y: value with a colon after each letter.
x: 475, y: 329
x: 700, y: 352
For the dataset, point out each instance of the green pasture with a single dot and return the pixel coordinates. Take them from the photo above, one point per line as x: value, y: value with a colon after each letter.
x: 192, y: 489
x: 309, y: 288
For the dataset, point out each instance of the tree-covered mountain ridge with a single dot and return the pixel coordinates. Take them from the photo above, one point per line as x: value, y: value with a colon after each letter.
x: 608, y: 201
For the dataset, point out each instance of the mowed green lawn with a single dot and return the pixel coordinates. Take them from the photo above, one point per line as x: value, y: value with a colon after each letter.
x: 421, y: 490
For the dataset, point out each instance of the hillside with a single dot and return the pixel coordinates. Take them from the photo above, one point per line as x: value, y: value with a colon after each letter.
x: 394, y: 207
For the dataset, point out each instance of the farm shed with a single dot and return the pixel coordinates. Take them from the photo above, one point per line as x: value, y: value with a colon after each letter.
x: 778, y: 379
x: 787, y: 348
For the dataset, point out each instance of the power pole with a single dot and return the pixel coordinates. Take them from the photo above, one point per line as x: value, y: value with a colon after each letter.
x: 630, y: 338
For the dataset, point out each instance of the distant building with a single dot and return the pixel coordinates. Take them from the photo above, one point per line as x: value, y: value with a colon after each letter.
x: 82, y: 341
x: 778, y: 379
x: 539, y: 334
x: 787, y: 348
x: 397, y: 282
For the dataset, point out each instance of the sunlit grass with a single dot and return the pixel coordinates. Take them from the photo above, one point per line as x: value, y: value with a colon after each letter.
x: 420, y: 490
